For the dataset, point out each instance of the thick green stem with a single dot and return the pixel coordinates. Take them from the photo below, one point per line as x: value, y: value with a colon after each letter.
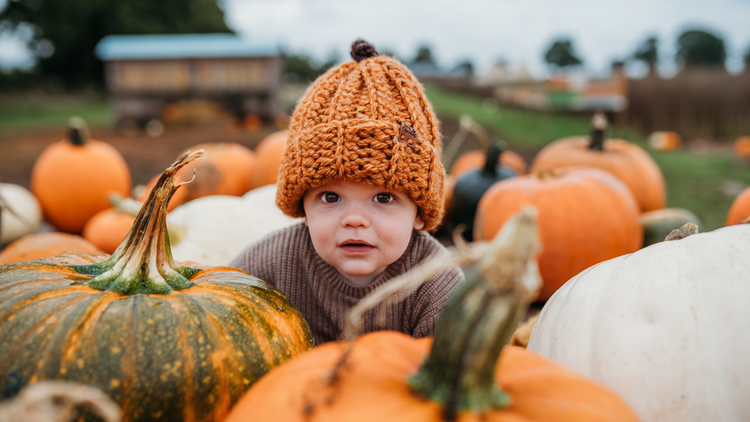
x: 143, y: 262
x: 460, y: 370
x: 492, y: 158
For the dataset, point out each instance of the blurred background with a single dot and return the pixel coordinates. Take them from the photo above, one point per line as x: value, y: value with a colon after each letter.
x: 153, y: 78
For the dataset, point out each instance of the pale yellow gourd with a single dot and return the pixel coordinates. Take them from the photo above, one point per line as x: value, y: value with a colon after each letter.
x: 20, y: 213
x: 214, y: 229
x: 666, y: 327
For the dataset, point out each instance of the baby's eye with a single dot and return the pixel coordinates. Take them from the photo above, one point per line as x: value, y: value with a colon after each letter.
x: 383, y: 198
x: 329, y: 197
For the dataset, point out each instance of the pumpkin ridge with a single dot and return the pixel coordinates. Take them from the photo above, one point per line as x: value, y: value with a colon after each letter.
x: 188, y: 409
x: 68, y: 328
x: 210, y: 323
x: 15, y: 349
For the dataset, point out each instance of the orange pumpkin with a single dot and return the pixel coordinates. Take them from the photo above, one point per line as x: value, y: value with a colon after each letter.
x: 41, y: 245
x: 72, y: 179
x: 665, y: 140
x: 586, y: 216
x: 167, y: 341
x: 461, y: 375
x: 227, y: 171
x: 626, y: 160
x: 269, y: 152
x: 474, y: 160
x: 742, y: 147
x: 740, y: 209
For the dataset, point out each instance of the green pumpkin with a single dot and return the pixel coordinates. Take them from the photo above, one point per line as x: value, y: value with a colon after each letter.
x: 470, y: 188
x: 659, y: 223
x: 167, y: 342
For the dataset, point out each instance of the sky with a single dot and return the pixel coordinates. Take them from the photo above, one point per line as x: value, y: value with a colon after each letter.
x: 482, y: 31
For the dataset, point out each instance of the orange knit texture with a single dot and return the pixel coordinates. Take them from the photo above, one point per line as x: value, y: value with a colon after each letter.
x: 347, y: 127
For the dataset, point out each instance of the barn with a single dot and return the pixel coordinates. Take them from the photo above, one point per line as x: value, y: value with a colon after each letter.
x: 147, y: 75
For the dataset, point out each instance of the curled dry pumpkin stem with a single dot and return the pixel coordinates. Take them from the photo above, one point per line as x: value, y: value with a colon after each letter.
x: 143, y: 262
x: 687, y: 229
x: 478, y: 320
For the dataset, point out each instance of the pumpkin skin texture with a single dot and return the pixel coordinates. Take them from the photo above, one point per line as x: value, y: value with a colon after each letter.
x: 475, y: 159
x: 586, y: 216
x: 740, y: 209
x: 626, y: 160
x: 227, y: 171
x: 373, y: 388
x: 658, y: 224
x: 42, y: 245
x: 166, y: 341
x: 665, y: 327
x: 269, y: 152
x: 72, y: 180
x: 20, y: 213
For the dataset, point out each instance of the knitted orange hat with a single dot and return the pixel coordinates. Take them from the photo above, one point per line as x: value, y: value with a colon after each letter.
x: 365, y: 121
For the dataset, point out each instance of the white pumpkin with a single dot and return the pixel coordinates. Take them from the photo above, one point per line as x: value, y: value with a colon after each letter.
x: 667, y: 327
x: 214, y: 229
x: 20, y: 213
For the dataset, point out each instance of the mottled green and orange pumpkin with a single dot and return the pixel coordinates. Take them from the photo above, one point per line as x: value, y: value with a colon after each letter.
x: 167, y: 341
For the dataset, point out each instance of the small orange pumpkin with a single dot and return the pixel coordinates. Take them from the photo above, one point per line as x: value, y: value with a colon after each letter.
x: 474, y: 160
x: 41, y: 245
x: 586, y: 216
x: 107, y: 228
x: 269, y: 152
x: 72, y: 179
x: 742, y: 147
x: 740, y: 209
x: 665, y: 140
x: 227, y: 171
x: 626, y: 160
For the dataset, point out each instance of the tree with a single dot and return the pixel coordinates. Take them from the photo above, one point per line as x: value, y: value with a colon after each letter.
x: 302, y: 68
x: 561, y: 54
x: 424, y: 55
x: 65, y: 32
x: 696, y: 48
x: 648, y: 53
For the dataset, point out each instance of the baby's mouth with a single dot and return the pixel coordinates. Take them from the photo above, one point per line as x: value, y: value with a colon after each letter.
x: 356, y: 246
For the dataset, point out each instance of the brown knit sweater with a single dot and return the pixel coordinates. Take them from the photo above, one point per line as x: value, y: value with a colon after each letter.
x: 287, y: 260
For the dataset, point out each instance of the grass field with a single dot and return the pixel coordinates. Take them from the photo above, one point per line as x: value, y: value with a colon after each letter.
x: 49, y: 113
x: 705, y: 183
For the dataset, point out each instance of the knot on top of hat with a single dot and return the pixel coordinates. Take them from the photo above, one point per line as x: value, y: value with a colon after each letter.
x: 361, y: 50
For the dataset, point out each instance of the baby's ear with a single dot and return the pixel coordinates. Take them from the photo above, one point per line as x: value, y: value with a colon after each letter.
x: 418, y: 223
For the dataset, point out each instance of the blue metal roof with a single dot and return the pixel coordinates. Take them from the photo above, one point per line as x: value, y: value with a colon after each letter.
x: 182, y: 46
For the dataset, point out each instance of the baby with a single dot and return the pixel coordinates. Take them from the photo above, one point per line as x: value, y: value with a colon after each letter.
x: 362, y: 166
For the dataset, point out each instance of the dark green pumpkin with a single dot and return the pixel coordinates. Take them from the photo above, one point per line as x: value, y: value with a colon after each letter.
x: 471, y: 186
x: 659, y: 223
x: 167, y: 342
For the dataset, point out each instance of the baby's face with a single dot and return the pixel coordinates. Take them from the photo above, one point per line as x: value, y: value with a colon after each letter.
x: 359, y: 229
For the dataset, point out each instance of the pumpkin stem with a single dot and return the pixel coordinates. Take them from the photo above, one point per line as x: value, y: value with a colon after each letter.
x: 78, y: 131
x: 598, y: 127
x: 143, y: 262
x: 478, y: 322
x: 687, y: 229
x: 492, y: 160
